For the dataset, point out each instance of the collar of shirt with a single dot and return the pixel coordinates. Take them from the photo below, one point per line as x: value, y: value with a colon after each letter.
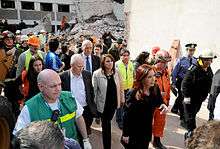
x: 75, y: 76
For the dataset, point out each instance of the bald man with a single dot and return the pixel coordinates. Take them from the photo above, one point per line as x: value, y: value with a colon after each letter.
x: 52, y: 104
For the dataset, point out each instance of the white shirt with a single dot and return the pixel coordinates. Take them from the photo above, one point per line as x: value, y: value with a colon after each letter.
x: 78, y: 89
x: 90, y: 61
x: 24, y: 117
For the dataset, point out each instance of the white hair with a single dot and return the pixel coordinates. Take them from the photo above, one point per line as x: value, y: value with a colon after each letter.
x: 85, y: 43
x: 75, y: 58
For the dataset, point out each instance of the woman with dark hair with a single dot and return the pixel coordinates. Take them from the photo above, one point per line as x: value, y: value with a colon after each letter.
x: 141, y: 59
x: 29, y: 78
x: 139, y: 110
x: 109, y: 95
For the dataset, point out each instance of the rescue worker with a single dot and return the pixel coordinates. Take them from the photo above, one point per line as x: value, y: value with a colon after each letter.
x: 126, y: 70
x: 162, y: 58
x: 178, y: 74
x: 25, y: 57
x: 195, y: 88
x: 53, y: 104
x: 7, y: 51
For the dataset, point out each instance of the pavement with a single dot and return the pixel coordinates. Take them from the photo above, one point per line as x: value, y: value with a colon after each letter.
x: 173, y: 135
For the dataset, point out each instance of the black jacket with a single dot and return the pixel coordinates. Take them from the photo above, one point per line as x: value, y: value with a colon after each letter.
x: 197, y: 83
x: 138, y: 114
x: 87, y: 79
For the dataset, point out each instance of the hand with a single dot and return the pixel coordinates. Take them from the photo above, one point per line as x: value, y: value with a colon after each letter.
x: 87, y: 144
x: 163, y: 108
x: 125, y: 139
x: 187, y: 100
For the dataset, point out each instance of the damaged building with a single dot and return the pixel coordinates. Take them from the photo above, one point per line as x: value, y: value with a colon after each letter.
x: 91, y: 15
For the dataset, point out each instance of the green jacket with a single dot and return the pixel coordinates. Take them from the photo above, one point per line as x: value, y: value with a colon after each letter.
x: 39, y: 110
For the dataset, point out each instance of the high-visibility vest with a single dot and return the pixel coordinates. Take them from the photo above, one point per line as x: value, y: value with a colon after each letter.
x: 126, y: 74
x: 39, y: 110
x: 28, y: 57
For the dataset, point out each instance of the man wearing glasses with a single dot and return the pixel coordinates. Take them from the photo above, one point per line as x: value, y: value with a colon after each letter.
x: 52, y: 104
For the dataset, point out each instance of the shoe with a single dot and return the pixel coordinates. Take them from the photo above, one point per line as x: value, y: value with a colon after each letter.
x: 175, y: 111
x: 188, y: 135
x: 157, y: 144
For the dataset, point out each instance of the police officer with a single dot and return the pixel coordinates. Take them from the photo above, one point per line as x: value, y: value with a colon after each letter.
x: 195, y: 88
x: 178, y: 74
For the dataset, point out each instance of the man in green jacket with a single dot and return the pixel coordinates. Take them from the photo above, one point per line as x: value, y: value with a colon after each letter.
x: 52, y: 104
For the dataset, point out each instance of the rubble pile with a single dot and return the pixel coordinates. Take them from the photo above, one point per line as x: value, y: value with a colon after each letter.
x: 97, y: 25
x: 205, y: 137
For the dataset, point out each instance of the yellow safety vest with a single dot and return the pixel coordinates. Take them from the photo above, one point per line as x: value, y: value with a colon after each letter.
x: 126, y: 74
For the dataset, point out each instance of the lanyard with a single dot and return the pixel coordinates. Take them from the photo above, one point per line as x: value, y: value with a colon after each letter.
x: 60, y: 112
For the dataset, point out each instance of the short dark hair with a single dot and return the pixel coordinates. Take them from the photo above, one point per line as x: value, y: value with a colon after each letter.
x: 124, y: 51
x: 53, y: 44
x: 104, y: 56
x: 98, y: 45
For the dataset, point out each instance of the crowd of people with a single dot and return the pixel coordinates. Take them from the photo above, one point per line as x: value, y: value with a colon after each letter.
x: 70, y: 82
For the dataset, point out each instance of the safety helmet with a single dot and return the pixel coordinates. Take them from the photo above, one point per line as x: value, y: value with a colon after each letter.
x: 162, y: 56
x: 34, y: 41
x: 207, y: 54
x: 155, y: 50
x: 24, y: 38
x: 7, y: 34
x: 18, y: 32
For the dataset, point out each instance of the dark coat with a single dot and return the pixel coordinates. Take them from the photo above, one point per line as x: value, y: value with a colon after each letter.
x: 138, y: 115
x: 87, y: 79
x: 196, y: 83
x: 95, y: 62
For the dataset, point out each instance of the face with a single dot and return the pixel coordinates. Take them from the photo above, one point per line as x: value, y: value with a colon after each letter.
x: 33, y: 49
x: 51, y: 88
x: 24, y: 43
x: 97, y: 50
x: 191, y: 51
x: 38, y: 66
x: 161, y: 65
x: 9, y: 42
x: 88, y: 49
x: 108, y: 63
x: 149, y: 80
x: 125, y: 57
x: 207, y: 62
x: 77, y: 67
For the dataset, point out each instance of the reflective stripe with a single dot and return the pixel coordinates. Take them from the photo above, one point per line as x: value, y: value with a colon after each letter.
x: 65, y: 117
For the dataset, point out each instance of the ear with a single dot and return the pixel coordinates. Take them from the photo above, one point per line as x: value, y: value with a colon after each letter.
x: 40, y: 86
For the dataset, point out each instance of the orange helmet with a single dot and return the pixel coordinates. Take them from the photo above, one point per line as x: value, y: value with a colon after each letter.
x: 162, y: 56
x: 34, y: 41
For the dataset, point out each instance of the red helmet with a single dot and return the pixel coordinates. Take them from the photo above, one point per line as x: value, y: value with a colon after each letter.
x: 7, y: 34
x: 162, y: 56
x: 155, y: 50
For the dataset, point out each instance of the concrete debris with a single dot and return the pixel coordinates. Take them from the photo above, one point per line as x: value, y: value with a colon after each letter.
x: 97, y: 25
x: 206, y: 136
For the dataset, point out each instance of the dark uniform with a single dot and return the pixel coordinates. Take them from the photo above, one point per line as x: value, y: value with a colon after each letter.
x: 195, y: 85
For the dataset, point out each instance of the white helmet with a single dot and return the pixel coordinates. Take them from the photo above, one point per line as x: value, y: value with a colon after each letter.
x: 18, y: 32
x: 24, y: 37
x: 207, y: 54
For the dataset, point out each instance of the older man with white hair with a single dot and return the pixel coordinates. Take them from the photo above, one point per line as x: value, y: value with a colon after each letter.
x: 79, y: 82
x: 91, y: 62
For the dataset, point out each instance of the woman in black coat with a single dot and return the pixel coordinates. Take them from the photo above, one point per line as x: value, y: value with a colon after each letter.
x: 142, y: 101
